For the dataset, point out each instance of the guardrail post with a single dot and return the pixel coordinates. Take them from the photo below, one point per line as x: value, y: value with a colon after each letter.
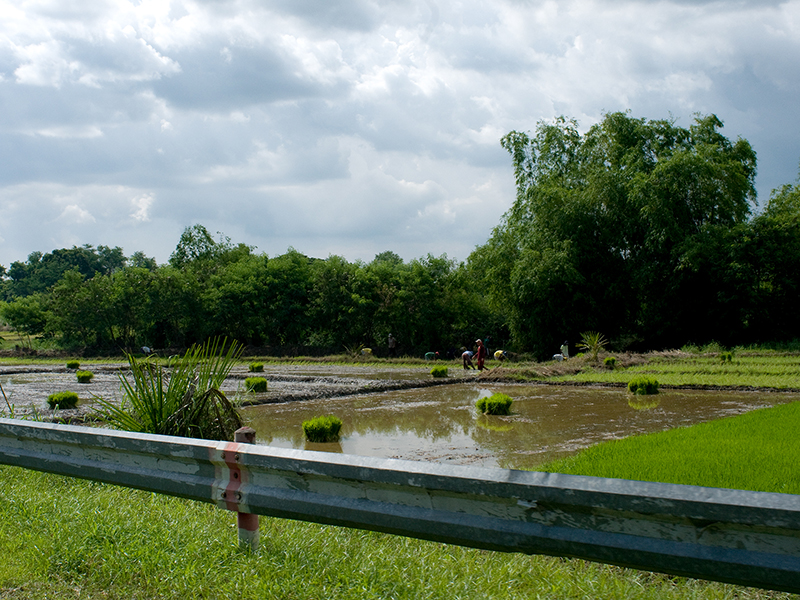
x: 247, y: 522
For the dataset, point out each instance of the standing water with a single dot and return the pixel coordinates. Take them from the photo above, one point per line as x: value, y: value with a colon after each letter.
x: 547, y: 422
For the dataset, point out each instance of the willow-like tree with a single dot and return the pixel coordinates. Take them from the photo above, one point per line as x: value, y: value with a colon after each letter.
x: 604, y: 227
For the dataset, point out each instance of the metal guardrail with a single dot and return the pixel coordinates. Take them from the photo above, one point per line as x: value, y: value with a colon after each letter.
x: 747, y: 538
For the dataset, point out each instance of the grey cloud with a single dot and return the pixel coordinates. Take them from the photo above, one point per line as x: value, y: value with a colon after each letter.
x: 356, y: 15
x: 214, y: 79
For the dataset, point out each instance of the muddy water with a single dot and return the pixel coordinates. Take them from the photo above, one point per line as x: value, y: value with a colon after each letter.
x: 441, y: 424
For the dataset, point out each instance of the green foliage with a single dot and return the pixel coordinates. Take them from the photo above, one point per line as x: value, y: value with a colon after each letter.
x: 256, y: 367
x: 595, y: 212
x: 439, y: 371
x: 593, y: 342
x: 63, y: 400
x: 73, y: 364
x: 183, y: 399
x: 322, y: 429
x: 643, y: 385
x: 725, y: 357
x: 256, y: 384
x: 725, y: 453
x: 162, y: 548
x: 610, y: 362
x: 496, y: 404
x: 84, y: 376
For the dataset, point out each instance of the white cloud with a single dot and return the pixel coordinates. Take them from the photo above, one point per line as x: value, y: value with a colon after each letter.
x: 75, y: 214
x: 348, y: 127
x: 141, y: 207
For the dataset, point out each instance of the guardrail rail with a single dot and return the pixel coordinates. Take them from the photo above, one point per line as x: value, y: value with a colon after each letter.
x: 742, y: 537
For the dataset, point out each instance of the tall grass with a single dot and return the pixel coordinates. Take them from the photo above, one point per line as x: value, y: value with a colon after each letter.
x: 182, y: 399
x: 67, y: 538
x: 755, y: 451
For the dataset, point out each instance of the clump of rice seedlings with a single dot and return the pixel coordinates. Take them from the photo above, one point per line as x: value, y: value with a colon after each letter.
x: 256, y: 384
x: 610, y: 362
x: 63, y: 400
x: 256, y: 367
x: 73, y: 364
x: 496, y: 404
x: 439, y: 371
x: 322, y: 429
x: 643, y: 386
x: 84, y: 376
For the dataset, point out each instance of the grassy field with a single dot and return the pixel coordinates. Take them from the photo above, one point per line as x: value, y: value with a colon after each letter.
x: 66, y: 538
x: 769, y: 370
x: 756, y: 451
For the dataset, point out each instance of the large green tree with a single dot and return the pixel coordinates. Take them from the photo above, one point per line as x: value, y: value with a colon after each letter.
x: 605, y: 225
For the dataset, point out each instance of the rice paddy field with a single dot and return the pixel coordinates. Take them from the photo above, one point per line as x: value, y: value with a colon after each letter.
x: 752, y: 370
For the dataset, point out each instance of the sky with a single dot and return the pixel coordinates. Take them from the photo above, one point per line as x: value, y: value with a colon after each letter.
x: 349, y: 127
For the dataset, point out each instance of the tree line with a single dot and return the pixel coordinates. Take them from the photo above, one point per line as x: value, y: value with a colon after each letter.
x: 643, y: 230
x: 98, y: 299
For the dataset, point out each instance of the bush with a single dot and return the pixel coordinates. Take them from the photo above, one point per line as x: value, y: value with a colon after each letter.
x: 610, y: 361
x: 439, y: 371
x: 63, y: 400
x: 256, y: 384
x: 643, y: 386
x: 73, y: 364
x: 496, y: 404
x: 84, y: 376
x: 322, y: 429
x: 184, y: 398
x: 256, y: 367
x: 725, y: 357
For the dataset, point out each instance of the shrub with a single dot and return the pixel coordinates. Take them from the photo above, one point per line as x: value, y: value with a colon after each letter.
x: 439, y: 371
x: 183, y: 399
x: 84, y: 376
x: 256, y: 384
x: 496, y: 404
x: 725, y: 357
x: 643, y: 386
x: 322, y: 429
x: 63, y: 400
x: 256, y: 367
x: 73, y: 364
x: 610, y: 361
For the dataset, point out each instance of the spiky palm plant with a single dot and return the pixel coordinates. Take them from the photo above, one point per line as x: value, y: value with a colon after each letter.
x: 593, y: 342
x: 184, y: 398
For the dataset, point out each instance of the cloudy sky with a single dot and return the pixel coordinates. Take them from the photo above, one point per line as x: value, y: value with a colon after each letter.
x: 348, y: 127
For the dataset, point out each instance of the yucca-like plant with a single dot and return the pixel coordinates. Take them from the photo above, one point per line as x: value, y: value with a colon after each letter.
x: 184, y: 398
x: 593, y: 342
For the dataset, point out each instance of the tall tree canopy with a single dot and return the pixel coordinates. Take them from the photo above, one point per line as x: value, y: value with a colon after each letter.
x: 609, y: 228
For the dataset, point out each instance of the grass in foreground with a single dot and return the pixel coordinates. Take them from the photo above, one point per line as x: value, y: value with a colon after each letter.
x: 62, y: 537
x: 756, y: 451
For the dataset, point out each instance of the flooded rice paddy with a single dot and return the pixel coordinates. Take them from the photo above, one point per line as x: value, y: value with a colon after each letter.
x: 437, y: 423
x: 548, y: 422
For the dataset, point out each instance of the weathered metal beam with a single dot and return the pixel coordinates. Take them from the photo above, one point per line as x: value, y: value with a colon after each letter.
x: 748, y: 538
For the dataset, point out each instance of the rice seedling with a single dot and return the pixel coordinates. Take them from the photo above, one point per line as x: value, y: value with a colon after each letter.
x: 322, y: 429
x: 256, y: 384
x: 84, y: 376
x: 439, y: 371
x: 63, y: 400
x: 755, y: 451
x: 496, y: 404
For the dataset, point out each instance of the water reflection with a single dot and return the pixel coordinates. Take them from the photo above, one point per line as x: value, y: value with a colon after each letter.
x: 442, y: 424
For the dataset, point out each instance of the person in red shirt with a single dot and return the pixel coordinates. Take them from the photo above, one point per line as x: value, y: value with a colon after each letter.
x: 480, y: 355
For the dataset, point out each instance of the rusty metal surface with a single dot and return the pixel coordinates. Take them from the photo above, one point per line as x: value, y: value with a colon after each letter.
x: 749, y: 538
